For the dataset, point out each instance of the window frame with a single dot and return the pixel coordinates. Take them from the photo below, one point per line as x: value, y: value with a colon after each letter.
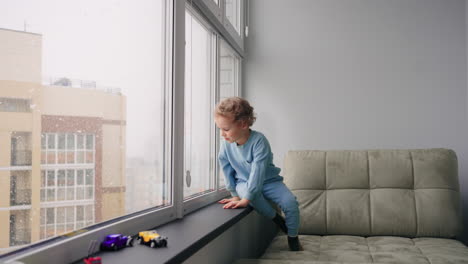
x: 193, y: 203
x: 74, y: 245
x: 216, y: 15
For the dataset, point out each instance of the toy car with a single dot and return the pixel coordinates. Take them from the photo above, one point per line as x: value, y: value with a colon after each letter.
x: 152, y: 238
x: 93, y: 260
x: 116, y: 241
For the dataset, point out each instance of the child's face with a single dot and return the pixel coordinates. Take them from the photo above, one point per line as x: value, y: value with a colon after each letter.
x: 231, y: 130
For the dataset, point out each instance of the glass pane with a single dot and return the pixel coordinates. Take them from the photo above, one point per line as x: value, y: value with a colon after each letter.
x: 70, y: 193
x: 20, y: 188
x: 70, y: 157
x: 233, y: 13
x: 199, y: 50
x: 43, y: 141
x: 43, y: 181
x: 60, y: 178
x: 89, y: 157
x: 70, y: 227
x: 70, y: 177
x: 80, y: 193
x: 61, y: 141
x: 70, y: 141
x: 51, y: 141
x: 80, y: 157
x: 101, y: 80
x: 79, y: 213
x: 228, y: 71
x: 51, y: 157
x: 50, y: 195
x: 89, y: 212
x: 60, y: 229
x: 70, y: 213
x: 43, y: 157
x: 61, y: 157
x: 43, y: 216
x: 50, y: 216
x: 89, y: 177
x: 228, y: 83
x: 60, y: 215
x: 42, y: 232
x: 89, y: 142
x: 89, y: 193
x: 60, y: 194
x: 79, y: 177
x: 50, y: 231
x: 80, y: 142
x: 50, y: 178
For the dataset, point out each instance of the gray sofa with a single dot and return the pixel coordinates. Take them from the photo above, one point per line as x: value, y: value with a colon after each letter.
x: 373, y: 206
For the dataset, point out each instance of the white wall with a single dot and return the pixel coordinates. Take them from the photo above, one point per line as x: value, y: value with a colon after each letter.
x: 361, y: 74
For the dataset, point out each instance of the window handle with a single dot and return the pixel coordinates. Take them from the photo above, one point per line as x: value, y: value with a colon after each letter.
x: 188, y: 178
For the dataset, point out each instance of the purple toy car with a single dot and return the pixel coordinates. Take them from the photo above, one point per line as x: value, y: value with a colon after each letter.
x: 116, y: 241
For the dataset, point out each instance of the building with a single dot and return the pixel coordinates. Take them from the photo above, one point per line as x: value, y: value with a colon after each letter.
x: 62, y: 154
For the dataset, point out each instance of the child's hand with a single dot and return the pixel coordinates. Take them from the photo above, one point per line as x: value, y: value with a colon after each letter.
x: 224, y: 201
x: 237, y: 204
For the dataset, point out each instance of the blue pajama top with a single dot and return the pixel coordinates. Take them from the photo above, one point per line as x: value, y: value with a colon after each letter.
x: 251, y: 162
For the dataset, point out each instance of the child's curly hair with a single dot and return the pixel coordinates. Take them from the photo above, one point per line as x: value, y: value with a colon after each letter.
x: 237, y: 107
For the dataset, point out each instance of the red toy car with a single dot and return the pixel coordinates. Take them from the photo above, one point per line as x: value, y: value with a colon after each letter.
x: 92, y: 260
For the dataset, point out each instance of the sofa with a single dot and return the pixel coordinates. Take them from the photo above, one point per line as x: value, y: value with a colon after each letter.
x: 373, y: 206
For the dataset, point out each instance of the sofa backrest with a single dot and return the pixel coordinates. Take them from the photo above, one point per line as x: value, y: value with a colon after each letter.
x: 412, y: 193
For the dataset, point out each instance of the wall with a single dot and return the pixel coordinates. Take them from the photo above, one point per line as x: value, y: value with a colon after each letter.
x: 246, y: 239
x: 363, y: 74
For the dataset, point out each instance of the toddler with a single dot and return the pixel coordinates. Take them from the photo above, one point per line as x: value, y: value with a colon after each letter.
x: 250, y: 175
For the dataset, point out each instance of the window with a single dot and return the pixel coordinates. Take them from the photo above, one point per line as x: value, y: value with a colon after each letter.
x: 59, y: 220
x: 71, y: 148
x: 67, y: 185
x: 233, y: 13
x: 20, y: 187
x: 229, y: 68
x: 200, y: 51
x: 15, y: 105
x: 20, y: 148
x: 20, y: 226
x: 107, y: 107
x: 91, y: 89
x: 228, y: 71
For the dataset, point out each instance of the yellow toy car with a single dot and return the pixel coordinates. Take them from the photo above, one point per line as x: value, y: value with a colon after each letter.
x: 152, y: 238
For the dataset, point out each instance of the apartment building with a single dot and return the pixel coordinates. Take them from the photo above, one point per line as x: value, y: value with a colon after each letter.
x: 62, y: 154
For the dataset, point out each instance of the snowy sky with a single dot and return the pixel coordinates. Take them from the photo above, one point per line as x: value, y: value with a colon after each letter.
x: 113, y: 42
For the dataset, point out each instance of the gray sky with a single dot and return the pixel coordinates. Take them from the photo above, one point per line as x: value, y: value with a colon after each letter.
x: 113, y: 42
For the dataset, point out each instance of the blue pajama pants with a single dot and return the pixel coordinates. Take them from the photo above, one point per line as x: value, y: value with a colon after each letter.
x: 278, y: 193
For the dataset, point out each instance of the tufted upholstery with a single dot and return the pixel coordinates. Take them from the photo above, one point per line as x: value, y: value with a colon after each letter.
x: 412, y: 193
x: 373, y: 206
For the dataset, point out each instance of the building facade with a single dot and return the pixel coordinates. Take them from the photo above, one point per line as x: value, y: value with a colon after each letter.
x: 62, y: 148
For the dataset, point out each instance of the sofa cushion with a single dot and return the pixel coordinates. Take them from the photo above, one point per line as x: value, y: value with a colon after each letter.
x: 411, y: 193
x: 356, y: 249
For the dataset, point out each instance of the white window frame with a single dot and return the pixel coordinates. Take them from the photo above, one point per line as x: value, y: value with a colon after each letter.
x: 215, y: 14
x: 196, y: 202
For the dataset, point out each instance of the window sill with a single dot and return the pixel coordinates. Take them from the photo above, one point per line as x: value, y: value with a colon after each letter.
x: 185, y: 237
